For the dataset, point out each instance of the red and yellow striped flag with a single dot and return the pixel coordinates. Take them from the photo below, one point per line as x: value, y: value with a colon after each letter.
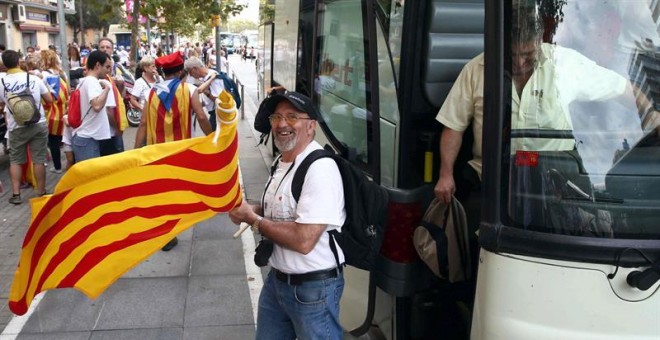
x: 108, y: 214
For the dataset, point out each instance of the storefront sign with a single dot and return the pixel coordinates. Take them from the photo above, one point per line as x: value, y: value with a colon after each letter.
x: 38, y: 16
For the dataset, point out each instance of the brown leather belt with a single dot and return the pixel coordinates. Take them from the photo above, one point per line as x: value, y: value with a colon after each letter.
x: 298, y: 279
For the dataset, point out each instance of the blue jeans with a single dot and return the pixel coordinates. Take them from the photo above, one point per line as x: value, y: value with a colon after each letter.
x: 309, y: 311
x: 85, y: 148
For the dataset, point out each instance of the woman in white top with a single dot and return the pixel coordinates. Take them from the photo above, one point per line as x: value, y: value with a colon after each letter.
x: 74, y: 57
x: 143, y: 86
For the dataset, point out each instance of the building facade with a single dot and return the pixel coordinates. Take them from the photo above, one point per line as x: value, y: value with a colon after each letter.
x: 31, y: 23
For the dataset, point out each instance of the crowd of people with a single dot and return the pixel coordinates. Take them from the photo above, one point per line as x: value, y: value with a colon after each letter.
x: 107, y: 88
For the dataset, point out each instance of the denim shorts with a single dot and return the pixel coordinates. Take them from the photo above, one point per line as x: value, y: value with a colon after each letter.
x: 308, y: 311
x: 85, y: 148
x: 35, y: 137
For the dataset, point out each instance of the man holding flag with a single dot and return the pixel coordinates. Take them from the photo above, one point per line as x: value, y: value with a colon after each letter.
x: 169, y: 109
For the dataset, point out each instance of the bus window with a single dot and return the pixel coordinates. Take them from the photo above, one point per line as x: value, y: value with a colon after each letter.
x: 340, y: 82
x: 394, y: 38
x: 585, y: 152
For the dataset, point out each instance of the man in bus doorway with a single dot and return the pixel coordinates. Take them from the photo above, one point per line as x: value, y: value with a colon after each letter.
x: 300, y: 297
x: 539, y: 72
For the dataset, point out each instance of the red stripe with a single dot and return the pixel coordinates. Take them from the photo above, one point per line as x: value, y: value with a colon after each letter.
x: 94, y: 257
x: 186, y: 159
x: 193, y: 160
x: 54, y: 200
x: 85, y: 204
x: 97, y: 255
x: 160, y: 122
x: 177, y: 126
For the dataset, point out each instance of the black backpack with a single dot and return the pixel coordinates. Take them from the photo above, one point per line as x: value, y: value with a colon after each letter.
x: 231, y: 87
x: 366, y: 211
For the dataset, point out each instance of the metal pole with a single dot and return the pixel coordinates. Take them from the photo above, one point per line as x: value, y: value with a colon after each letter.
x: 64, y: 51
x: 217, y: 43
x: 82, y: 26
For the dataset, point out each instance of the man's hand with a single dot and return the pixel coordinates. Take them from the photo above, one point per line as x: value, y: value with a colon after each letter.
x: 243, y: 213
x: 445, y: 188
x: 105, y: 84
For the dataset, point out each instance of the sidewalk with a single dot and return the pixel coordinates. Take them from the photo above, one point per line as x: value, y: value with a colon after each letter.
x: 199, y: 290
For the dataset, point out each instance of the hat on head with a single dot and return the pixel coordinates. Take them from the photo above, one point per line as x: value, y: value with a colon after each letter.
x: 267, y: 107
x: 170, y: 63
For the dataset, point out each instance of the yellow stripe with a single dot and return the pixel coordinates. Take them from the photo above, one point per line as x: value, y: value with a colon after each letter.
x: 115, y: 232
x: 140, y: 175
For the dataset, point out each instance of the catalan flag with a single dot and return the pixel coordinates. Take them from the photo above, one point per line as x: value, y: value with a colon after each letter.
x: 55, y: 111
x: 108, y: 214
x: 120, y: 109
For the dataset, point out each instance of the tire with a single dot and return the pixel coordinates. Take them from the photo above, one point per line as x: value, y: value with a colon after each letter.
x: 133, y: 116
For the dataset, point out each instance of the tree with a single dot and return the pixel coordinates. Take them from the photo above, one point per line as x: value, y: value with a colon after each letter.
x: 181, y: 16
x: 239, y: 25
x: 98, y: 14
x: 266, y: 11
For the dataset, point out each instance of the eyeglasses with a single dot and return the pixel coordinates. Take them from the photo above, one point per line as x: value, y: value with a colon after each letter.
x: 290, y: 118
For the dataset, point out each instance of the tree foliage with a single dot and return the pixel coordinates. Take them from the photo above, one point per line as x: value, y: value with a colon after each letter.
x: 181, y: 16
x: 97, y: 14
x: 239, y: 25
x: 266, y: 11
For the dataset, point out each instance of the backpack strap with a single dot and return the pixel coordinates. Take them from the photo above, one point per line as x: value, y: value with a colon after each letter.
x: 296, y: 190
x: 301, y: 172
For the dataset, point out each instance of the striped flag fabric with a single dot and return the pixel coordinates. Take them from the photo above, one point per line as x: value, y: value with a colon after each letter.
x: 55, y: 111
x: 108, y: 214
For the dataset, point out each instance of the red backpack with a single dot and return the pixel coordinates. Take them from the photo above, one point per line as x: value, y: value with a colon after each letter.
x: 74, y: 117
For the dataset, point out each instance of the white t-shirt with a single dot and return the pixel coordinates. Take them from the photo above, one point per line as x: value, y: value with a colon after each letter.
x: 321, y: 202
x: 141, y: 90
x: 16, y: 82
x: 223, y: 64
x: 94, y: 124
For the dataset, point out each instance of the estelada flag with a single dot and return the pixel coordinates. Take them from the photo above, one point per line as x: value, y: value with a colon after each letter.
x: 55, y: 111
x: 108, y: 214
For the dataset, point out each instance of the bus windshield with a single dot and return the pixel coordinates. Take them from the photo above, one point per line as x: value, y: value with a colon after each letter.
x: 584, y: 146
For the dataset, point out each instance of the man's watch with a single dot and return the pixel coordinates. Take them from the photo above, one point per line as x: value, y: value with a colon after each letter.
x: 255, y: 224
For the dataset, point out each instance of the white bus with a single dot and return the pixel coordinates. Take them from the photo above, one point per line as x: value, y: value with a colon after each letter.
x: 568, y: 241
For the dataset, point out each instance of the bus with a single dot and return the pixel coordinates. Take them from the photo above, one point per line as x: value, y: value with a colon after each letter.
x: 568, y: 239
x: 232, y: 41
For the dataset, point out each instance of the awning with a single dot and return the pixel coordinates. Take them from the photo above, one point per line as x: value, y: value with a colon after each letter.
x: 38, y: 28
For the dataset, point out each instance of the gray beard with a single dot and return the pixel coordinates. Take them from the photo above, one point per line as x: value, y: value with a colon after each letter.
x: 285, y: 146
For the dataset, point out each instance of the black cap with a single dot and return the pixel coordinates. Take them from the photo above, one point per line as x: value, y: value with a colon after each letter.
x: 267, y: 107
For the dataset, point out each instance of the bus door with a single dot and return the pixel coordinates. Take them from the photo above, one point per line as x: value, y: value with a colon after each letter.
x: 570, y: 234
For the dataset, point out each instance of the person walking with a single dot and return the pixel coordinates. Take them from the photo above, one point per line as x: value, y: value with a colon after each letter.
x: 55, y: 78
x: 24, y: 135
x: 94, y: 92
x: 300, y: 296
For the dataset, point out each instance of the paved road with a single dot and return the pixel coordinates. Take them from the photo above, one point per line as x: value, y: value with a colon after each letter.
x: 201, y: 289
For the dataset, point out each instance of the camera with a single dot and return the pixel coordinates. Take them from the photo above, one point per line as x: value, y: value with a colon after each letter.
x: 263, y: 252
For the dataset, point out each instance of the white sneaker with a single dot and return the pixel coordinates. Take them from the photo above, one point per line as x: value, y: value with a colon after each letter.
x: 56, y: 171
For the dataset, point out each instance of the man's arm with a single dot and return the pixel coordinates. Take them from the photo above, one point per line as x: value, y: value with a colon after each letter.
x: 202, y: 119
x: 450, y: 145
x: 141, y: 134
x: 134, y: 101
x: 47, y: 98
x: 205, y: 85
x: 98, y: 102
x: 298, y: 237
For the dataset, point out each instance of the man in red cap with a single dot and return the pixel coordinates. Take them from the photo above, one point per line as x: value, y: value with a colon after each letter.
x: 169, y: 109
